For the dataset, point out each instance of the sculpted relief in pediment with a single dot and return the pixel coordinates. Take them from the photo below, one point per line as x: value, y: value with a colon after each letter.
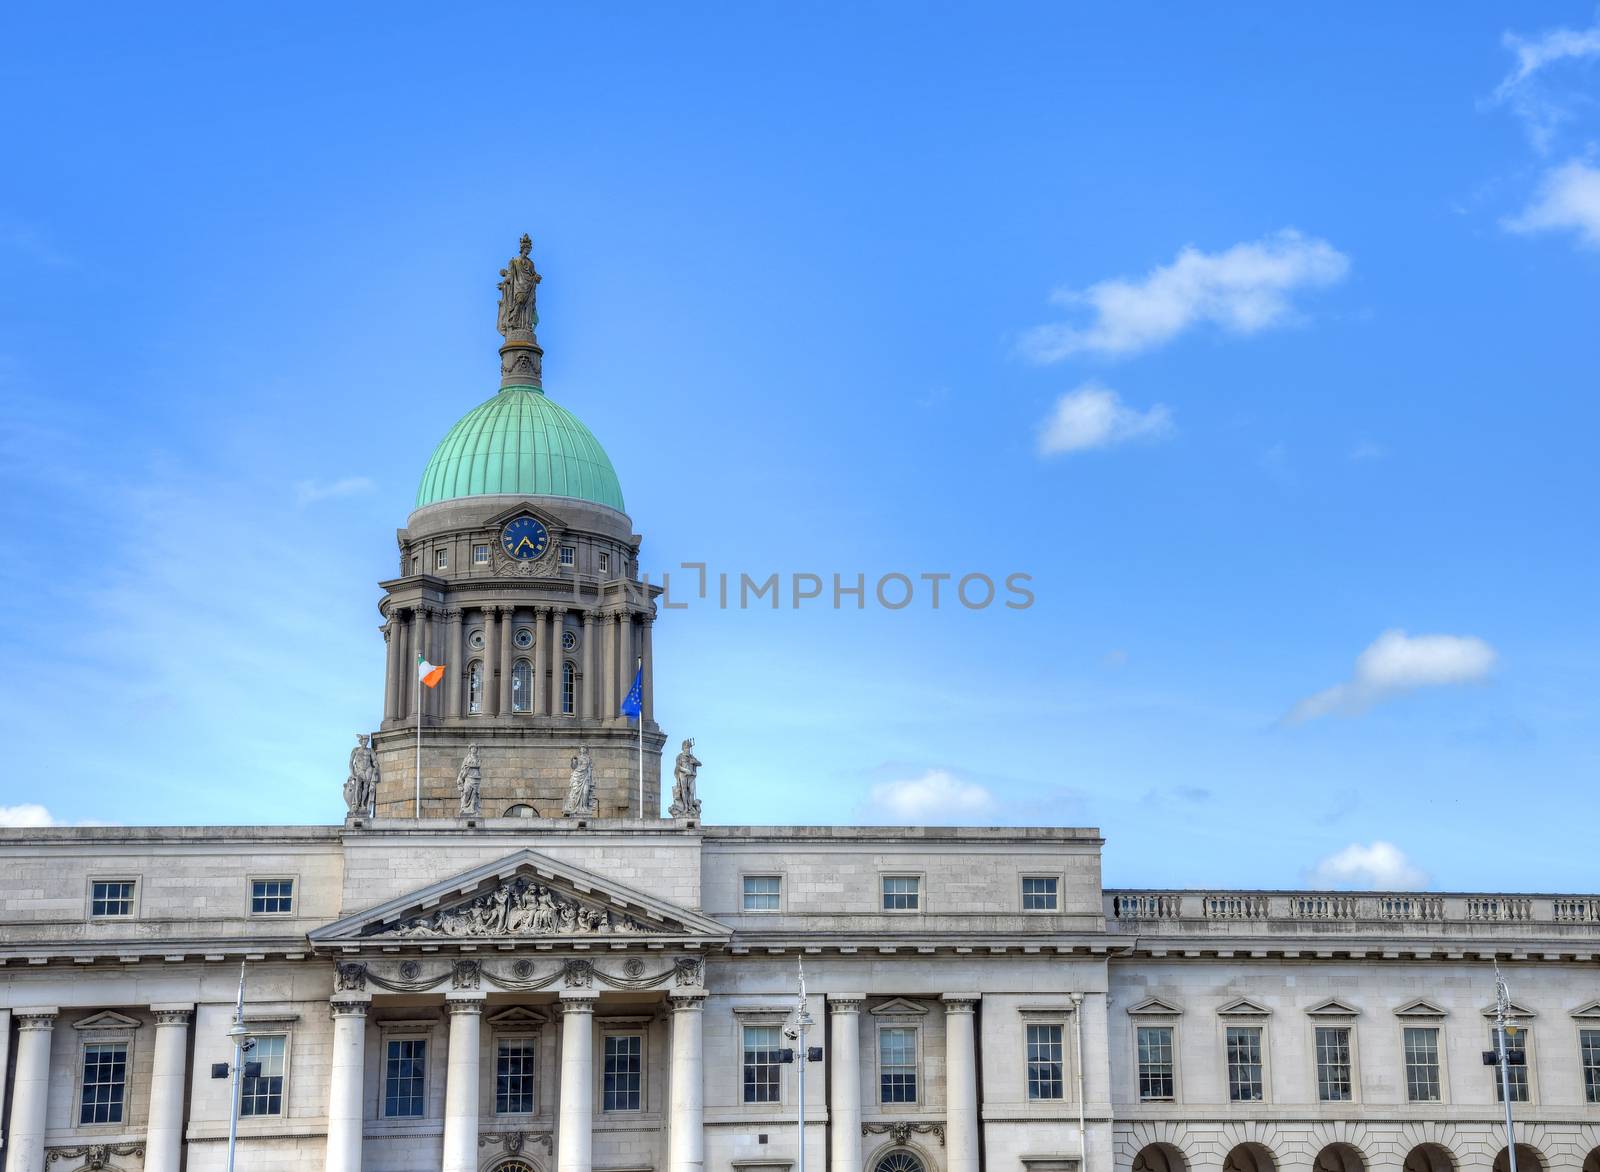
x: 521, y: 907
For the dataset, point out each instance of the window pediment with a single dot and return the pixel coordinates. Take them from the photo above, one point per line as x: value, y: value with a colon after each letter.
x: 1421, y: 1007
x: 1333, y: 1007
x: 1154, y: 1007
x: 1243, y: 1007
x: 518, y: 1017
x: 1514, y: 1010
x: 1590, y: 1009
x: 108, y: 1021
x: 899, y: 1007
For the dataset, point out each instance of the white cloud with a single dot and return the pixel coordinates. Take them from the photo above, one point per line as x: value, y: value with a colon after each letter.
x: 1379, y: 866
x: 1366, y: 450
x: 937, y: 796
x: 1242, y: 290
x: 1396, y: 663
x: 1539, y: 109
x: 309, y: 492
x: 1568, y: 200
x: 1093, y: 416
x: 25, y: 816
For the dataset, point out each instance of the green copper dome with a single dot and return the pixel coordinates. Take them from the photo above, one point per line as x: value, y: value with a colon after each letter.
x: 521, y: 444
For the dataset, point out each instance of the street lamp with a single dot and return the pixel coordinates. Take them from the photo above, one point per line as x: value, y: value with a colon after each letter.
x: 243, y: 1043
x: 1503, y: 1056
x: 796, y: 1030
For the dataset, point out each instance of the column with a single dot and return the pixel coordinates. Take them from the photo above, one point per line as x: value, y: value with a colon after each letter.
x: 455, y: 678
x: 606, y: 702
x: 507, y: 621
x: 392, y: 668
x: 541, y: 657
x: 686, y: 1151
x: 591, y: 681
x: 844, y: 1067
x: 557, y: 658
x: 163, y: 1145
x: 574, y: 1138
x: 648, y: 621
x: 30, y: 1095
x: 624, y: 666
x: 5, y: 1060
x: 402, y: 683
x: 428, y: 649
x: 346, y: 1084
x: 461, y: 1083
x: 491, y: 661
x: 961, y: 1082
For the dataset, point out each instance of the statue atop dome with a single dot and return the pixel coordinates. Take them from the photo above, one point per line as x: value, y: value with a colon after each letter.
x: 519, y: 282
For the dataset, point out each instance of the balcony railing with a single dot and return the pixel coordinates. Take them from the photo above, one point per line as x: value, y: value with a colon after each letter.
x: 1333, y: 906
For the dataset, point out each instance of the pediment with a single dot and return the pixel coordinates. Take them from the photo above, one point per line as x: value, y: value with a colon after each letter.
x: 1243, y: 1007
x: 1154, y: 1007
x: 1421, y: 1007
x: 1512, y: 1011
x: 1333, y: 1007
x: 524, y: 508
x: 1588, y: 1009
x: 899, y: 1007
x: 524, y: 896
x: 108, y: 1019
x: 518, y: 1017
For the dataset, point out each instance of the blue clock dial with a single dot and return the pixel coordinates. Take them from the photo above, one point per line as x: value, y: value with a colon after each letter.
x: 524, y: 538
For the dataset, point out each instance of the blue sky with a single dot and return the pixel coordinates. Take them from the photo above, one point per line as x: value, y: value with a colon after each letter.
x: 1262, y: 340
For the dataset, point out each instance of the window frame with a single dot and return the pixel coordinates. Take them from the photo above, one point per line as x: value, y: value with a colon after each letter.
x: 283, y: 1079
x: 1263, y: 1052
x: 604, y: 561
x: 250, y: 896
x: 1592, y: 1028
x: 1046, y: 1018
x: 521, y: 696
x: 104, y: 1037
x: 441, y: 558
x: 918, y: 877
x: 134, y: 900
x: 913, y: 1027
x: 478, y: 548
x: 1055, y: 893
x: 1336, y: 1022
x: 518, y: 1036
x: 567, y: 555
x: 744, y: 894
x: 569, y: 688
x: 1524, y: 1026
x: 1155, y: 1023
x: 1439, y: 1064
x: 622, y: 1028
x: 474, y: 673
x: 408, y: 1033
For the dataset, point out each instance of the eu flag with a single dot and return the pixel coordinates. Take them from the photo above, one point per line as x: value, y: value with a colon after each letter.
x: 633, y: 702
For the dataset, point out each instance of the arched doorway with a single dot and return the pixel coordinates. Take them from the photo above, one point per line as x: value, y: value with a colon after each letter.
x: 1160, y: 1158
x: 1339, y: 1158
x: 515, y: 1164
x: 1528, y: 1160
x: 1250, y: 1157
x: 901, y: 1161
x: 1592, y: 1164
x: 1430, y: 1158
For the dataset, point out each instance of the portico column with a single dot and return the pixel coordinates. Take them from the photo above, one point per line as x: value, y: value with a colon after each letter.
x: 541, y: 656
x: 507, y: 616
x: 455, y: 680
x: 647, y: 621
x: 557, y: 621
x: 30, y: 1095
x: 163, y: 1145
x: 591, y: 682
x: 574, y: 1140
x: 961, y: 1077
x: 403, y: 685
x: 624, y: 663
x: 491, y: 661
x: 346, y: 1084
x: 391, y: 639
x: 686, y: 1151
x: 461, y: 1083
x: 5, y: 1060
x: 844, y: 1096
x: 430, y: 651
x: 608, y: 698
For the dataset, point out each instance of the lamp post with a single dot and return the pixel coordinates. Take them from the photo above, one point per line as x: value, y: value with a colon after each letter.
x: 803, y: 1021
x: 240, y: 1035
x: 1502, y: 1007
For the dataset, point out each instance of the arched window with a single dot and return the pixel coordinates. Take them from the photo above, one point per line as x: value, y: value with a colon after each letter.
x: 474, y: 688
x: 569, y: 688
x: 521, y: 686
x: 899, y: 1162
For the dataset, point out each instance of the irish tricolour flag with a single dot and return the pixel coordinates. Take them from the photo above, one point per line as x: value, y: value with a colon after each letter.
x: 429, y: 673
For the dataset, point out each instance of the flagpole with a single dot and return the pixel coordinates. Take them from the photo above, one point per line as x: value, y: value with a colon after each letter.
x: 640, y: 676
x: 418, y: 809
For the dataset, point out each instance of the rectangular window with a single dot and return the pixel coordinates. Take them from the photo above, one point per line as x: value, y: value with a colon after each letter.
x: 514, y: 1063
x: 1519, y: 1074
x: 441, y: 559
x: 1244, y: 1064
x: 897, y: 1064
x: 111, y: 897
x: 1039, y: 893
x: 404, y: 1071
x: 624, y: 1080
x: 1333, y: 1064
x: 902, y: 893
x: 1589, y: 1051
x: 762, y: 1064
x: 105, y: 1082
x: 1422, y: 1064
x: 568, y: 555
x: 263, y: 1095
x: 480, y: 555
x: 271, y: 897
x: 1044, y: 1062
x: 605, y: 563
x: 1155, y: 1062
x: 762, y: 893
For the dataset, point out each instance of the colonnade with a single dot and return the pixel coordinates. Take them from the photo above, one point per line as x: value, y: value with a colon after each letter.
x: 612, y: 639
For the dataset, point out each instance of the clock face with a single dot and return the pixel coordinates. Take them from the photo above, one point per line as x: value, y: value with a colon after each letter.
x: 524, y: 538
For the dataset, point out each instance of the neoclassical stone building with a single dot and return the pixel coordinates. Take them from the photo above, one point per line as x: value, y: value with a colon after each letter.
x: 509, y: 960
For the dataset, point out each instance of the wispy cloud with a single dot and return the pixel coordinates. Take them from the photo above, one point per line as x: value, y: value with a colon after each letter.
x: 1396, y: 663
x: 1377, y: 866
x: 1093, y: 416
x: 936, y: 796
x: 1241, y: 290
x: 1568, y: 200
x: 1541, y: 108
x: 309, y: 492
x: 1366, y: 451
